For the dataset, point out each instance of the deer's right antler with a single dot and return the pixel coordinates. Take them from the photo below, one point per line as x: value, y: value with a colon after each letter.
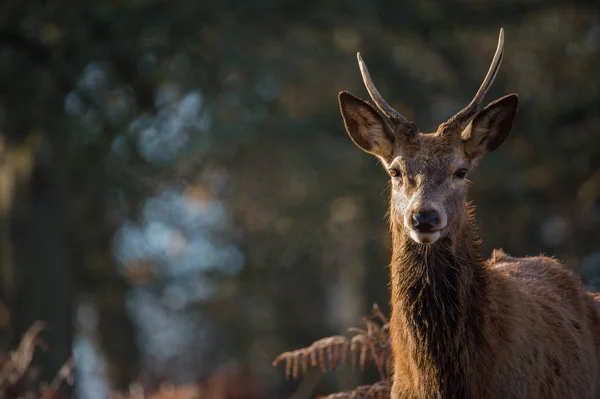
x: 466, y: 115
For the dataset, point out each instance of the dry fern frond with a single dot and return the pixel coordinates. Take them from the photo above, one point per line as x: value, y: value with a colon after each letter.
x: 379, y: 390
x: 19, y: 379
x: 367, y: 346
x: 65, y: 374
x: 326, y: 353
x: 18, y: 362
x: 372, y: 344
x: 595, y: 296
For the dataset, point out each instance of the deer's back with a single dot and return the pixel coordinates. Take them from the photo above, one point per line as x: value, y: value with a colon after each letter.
x: 546, y: 330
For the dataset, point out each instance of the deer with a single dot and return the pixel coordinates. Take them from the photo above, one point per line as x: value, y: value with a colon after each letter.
x: 463, y: 326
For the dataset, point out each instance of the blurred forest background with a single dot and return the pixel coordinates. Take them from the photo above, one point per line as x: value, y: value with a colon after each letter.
x: 179, y: 201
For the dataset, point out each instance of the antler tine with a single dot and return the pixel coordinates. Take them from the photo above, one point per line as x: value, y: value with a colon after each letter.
x: 387, y: 109
x: 463, y: 117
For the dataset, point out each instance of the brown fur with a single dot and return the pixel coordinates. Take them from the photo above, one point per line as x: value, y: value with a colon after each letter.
x: 508, y: 327
x: 462, y: 326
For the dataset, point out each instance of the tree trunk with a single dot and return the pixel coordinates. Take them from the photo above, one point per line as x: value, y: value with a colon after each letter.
x: 42, y: 259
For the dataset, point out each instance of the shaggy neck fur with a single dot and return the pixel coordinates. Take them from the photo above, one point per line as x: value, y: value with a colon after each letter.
x: 438, y: 300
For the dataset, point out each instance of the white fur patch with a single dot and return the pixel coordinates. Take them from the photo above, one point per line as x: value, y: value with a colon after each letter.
x: 424, y: 238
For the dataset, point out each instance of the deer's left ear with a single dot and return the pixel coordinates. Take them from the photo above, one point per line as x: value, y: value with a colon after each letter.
x: 490, y: 127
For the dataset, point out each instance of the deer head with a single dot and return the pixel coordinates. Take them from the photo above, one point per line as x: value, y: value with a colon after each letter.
x: 428, y: 170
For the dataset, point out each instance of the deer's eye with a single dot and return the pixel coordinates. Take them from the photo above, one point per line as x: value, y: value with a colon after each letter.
x: 461, y: 173
x: 394, y: 172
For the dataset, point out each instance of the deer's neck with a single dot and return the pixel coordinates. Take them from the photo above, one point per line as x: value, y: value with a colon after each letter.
x: 438, y: 300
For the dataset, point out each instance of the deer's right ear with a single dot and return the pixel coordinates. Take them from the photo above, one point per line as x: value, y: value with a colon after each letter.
x: 366, y: 127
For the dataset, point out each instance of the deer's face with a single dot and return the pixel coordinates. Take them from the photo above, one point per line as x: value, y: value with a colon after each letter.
x: 428, y: 171
x: 428, y: 187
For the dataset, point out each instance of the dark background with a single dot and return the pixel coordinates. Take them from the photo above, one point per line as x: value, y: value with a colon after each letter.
x: 179, y: 200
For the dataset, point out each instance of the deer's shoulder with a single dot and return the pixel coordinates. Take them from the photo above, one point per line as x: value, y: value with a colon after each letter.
x: 537, y: 273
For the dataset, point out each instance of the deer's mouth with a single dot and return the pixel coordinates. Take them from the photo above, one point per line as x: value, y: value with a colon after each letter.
x: 426, y: 237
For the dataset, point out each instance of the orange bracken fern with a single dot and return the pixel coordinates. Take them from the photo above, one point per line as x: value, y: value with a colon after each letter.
x: 369, y: 346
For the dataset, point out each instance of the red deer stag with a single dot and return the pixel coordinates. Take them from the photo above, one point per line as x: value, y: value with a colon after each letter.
x: 462, y: 326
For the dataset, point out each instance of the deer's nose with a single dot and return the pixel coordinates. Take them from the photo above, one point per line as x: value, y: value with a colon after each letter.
x: 425, y: 220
